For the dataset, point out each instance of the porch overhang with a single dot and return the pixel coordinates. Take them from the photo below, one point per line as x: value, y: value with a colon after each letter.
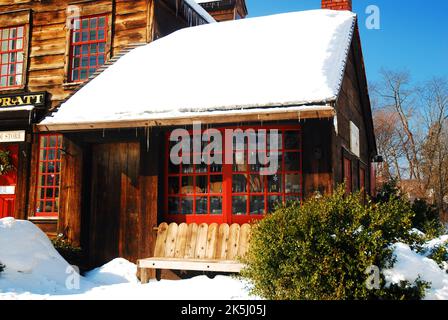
x: 187, y: 118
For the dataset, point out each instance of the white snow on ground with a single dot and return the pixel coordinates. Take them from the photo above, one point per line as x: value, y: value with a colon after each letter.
x: 284, y: 60
x: 410, y: 265
x: 35, y: 270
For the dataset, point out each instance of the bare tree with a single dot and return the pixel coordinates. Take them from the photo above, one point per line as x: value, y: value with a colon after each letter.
x: 395, y: 93
x: 435, y: 148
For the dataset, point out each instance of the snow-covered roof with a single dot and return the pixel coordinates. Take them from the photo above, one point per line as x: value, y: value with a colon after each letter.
x: 284, y: 60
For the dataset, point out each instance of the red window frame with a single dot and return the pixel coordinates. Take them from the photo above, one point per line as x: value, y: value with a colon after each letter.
x: 48, y: 176
x: 12, y: 57
x: 362, y: 180
x: 347, y: 165
x: 228, y: 172
x: 87, y: 49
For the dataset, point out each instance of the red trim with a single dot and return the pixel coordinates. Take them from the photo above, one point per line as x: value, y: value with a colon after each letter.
x: 227, y: 193
x: 48, y: 171
x: 9, y: 69
x: 88, y: 50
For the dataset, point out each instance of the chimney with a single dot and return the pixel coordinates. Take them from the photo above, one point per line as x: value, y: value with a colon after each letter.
x: 337, y: 4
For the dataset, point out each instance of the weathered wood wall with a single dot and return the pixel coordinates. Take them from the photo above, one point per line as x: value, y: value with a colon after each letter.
x: 48, y: 35
x: 350, y: 108
x: 316, y: 157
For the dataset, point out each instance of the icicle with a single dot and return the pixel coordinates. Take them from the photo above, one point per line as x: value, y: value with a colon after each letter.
x: 148, y: 136
x: 136, y: 132
x: 104, y: 133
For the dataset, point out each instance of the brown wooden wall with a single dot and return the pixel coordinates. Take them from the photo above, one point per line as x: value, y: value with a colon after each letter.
x: 316, y: 157
x: 48, y: 45
x: 47, y: 57
x: 350, y: 108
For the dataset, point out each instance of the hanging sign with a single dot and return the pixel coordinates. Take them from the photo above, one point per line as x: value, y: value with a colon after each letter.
x: 23, y: 99
x: 12, y: 136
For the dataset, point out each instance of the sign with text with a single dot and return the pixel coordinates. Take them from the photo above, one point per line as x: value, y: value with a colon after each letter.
x: 12, y: 136
x: 354, y: 139
x: 23, y: 99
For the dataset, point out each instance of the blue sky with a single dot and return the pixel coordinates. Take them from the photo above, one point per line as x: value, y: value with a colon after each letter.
x: 413, y: 34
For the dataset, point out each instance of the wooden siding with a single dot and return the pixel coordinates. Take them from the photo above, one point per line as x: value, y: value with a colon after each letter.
x: 48, y: 39
x: 350, y: 107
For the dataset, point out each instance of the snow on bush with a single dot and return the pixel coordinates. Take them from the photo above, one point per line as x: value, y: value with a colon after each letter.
x: 410, y: 265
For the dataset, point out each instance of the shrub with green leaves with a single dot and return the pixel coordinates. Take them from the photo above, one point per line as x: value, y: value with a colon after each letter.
x: 322, y: 248
x: 440, y: 255
x: 426, y: 216
x: 72, y: 254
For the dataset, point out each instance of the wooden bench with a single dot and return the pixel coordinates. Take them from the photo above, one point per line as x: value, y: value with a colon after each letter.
x: 214, y: 248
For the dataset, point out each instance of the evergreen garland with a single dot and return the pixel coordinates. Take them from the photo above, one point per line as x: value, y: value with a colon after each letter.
x: 5, y: 162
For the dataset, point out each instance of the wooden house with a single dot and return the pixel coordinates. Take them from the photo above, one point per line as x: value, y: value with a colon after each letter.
x: 298, y: 74
x: 48, y: 50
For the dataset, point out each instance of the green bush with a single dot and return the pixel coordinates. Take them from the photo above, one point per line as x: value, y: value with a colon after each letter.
x: 426, y: 216
x: 2, y: 267
x: 72, y: 254
x: 440, y: 255
x: 427, y: 219
x: 322, y: 249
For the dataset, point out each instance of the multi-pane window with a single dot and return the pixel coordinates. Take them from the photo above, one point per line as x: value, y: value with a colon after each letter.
x: 49, y: 172
x: 237, y: 191
x: 11, y: 56
x: 87, y: 47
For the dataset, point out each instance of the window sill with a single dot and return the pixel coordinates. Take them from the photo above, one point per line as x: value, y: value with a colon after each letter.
x: 71, y: 85
x: 12, y: 90
x: 43, y: 219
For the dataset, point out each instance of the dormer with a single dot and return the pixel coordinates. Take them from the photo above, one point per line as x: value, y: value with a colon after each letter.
x: 225, y: 10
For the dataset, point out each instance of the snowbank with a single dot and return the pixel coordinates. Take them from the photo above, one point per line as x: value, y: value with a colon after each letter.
x: 410, y: 265
x: 35, y: 270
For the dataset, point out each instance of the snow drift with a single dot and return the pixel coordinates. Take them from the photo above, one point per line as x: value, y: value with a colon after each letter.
x: 35, y: 270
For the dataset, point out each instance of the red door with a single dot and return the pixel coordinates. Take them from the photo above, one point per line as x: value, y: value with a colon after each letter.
x: 8, y: 183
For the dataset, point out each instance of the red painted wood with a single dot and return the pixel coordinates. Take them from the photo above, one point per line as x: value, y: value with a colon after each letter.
x: 227, y: 176
x: 7, y: 201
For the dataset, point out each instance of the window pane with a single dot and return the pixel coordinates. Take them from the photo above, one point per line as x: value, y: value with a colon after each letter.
x: 292, y: 140
x: 215, y: 205
x: 187, y: 205
x: 187, y: 185
x: 256, y: 183
x: 275, y: 183
x: 256, y: 204
x: 101, y: 22
x: 173, y: 205
x: 202, y: 205
x: 239, y: 183
x: 273, y: 202
x: 292, y: 183
x: 173, y: 185
x: 239, y: 205
x: 201, y: 184
x: 216, y: 184
x: 292, y: 161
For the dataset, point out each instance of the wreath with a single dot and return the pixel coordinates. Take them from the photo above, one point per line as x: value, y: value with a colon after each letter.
x: 5, y: 162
